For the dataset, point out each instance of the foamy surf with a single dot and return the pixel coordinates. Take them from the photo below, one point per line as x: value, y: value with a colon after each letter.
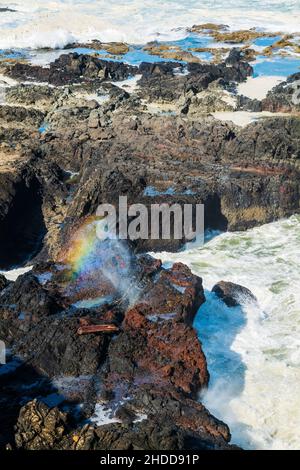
x: 36, y: 24
x: 253, y: 352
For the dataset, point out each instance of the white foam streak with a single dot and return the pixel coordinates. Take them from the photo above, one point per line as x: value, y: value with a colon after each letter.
x: 54, y: 24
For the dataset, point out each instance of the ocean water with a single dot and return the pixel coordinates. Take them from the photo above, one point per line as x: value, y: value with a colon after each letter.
x: 40, y: 23
x: 253, y: 352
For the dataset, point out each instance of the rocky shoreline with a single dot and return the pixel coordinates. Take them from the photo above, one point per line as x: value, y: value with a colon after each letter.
x: 96, y: 363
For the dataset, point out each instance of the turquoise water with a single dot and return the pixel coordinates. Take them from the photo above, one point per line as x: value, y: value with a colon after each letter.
x: 43, y: 128
x: 38, y: 23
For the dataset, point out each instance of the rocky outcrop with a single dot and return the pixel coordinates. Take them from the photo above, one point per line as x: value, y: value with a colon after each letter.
x: 39, y: 427
x: 233, y: 294
x: 167, y: 82
x: 18, y: 116
x: 120, y: 320
x: 156, y: 356
x: 23, y: 304
x: 3, y: 282
x: 113, y: 48
x: 154, y: 364
x: 243, y: 176
x: 285, y: 97
x: 36, y: 96
x: 4, y: 10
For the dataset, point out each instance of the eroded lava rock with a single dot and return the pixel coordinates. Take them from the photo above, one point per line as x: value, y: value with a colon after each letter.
x: 233, y: 294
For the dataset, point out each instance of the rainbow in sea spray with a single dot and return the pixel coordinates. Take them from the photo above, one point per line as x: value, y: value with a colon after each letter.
x: 98, y: 267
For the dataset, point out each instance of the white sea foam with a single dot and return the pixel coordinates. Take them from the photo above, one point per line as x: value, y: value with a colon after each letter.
x: 243, y: 118
x: 13, y: 274
x: 130, y: 85
x: 56, y: 23
x: 253, y: 353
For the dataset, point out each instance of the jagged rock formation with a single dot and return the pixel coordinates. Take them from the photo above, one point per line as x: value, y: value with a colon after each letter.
x: 82, y: 138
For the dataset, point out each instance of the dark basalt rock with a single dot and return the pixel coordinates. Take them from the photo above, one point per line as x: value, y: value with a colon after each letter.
x: 149, y: 372
x: 23, y: 304
x: 233, y: 294
x: 186, y: 413
x: 164, y: 353
x: 125, y: 415
x: 233, y: 69
x: 18, y: 115
x: 29, y: 296
x: 243, y: 176
x: 247, y: 104
x: 5, y: 10
x: 31, y: 95
x: 146, y: 351
x: 160, y: 68
x: 39, y: 428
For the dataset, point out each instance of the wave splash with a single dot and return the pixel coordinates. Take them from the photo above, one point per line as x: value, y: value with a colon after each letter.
x: 39, y: 24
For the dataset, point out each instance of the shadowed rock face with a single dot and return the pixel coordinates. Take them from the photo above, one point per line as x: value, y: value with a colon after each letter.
x: 244, y: 177
x: 23, y: 304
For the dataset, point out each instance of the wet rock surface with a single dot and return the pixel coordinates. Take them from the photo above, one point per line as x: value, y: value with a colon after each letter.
x: 72, y: 68
x: 233, y: 294
x: 103, y: 355
x: 3, y: 282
